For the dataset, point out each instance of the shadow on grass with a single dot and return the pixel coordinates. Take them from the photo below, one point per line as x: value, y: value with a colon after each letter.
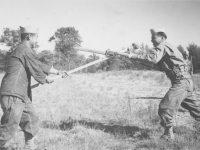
x: 186, y: 138
x: 148, y: 97
x: 160, y: 145
x: 130, y: 131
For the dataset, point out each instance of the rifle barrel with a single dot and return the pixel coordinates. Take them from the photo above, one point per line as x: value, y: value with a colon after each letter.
x: 90, y: 50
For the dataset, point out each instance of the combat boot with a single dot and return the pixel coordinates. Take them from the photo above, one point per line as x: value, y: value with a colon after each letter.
x: 168, y: 134
x: 29, y: 142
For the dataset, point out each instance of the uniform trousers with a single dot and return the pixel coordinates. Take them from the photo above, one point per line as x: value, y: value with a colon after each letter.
x: 17, y: 113
x: 182, y: 93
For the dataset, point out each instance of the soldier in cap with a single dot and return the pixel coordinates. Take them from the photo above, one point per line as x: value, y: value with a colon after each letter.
x: 170, y: 60
x: 15, y: 91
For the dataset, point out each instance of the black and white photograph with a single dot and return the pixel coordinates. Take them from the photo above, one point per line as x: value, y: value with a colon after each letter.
x: 100, y: 74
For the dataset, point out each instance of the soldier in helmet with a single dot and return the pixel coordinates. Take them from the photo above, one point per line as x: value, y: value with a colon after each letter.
x: 169, y: 59
x: 15, y: 91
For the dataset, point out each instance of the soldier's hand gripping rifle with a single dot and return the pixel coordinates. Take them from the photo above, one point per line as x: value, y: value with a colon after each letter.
x: 112, y: 53
x: 75, y: 70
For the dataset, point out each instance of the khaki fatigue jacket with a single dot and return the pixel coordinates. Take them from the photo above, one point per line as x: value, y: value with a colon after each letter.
x: 169, y: 59
x: 21, y: 66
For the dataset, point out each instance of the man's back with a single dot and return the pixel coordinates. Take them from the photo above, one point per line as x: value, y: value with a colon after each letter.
x: 15, y: 81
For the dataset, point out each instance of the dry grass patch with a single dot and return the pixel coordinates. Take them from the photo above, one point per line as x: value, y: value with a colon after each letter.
x: 105, y: 111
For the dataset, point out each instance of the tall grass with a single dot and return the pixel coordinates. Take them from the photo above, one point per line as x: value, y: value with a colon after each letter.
x: 105, y: 111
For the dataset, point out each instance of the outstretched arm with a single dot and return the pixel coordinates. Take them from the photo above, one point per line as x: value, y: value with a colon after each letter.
x: 38, y: 72
x: 49, y: 69
x: 151, y: 58
x: 155, y: 56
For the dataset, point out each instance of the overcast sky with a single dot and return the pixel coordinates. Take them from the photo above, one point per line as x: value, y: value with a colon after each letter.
x: 104, y: 24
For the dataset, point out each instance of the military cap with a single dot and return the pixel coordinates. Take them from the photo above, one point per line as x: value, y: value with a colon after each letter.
x: 159, y: 30
x: 154, y: 31
x: 28, y: 29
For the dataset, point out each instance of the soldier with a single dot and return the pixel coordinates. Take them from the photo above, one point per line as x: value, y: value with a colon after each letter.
x: 170, y: 60
x: 15, y: 91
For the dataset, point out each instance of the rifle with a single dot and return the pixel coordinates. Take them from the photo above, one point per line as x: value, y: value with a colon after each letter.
x: 95, y: 62
x: 105, y: 52
x: 75, y: 70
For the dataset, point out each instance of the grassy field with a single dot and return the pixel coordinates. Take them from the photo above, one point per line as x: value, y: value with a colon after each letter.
x: 107, y: 111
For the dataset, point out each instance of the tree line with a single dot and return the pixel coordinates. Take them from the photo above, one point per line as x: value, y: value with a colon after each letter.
x: 65, y: 57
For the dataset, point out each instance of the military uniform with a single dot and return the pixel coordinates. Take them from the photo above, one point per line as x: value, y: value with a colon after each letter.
x: 15, y: 93
x: 170, y: 60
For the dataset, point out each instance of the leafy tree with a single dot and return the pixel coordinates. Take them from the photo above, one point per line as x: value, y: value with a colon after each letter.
x: 181, y: 49
x: 92, y: 57
x: 80, y: 60
x: 66, y: 39
x: 103, y: 66
x: 194, y: 52
x: 45, y: 56
x: 94, y: 68
x: 116, y: 63
x: 11, y: 38
x: 3, y: 58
